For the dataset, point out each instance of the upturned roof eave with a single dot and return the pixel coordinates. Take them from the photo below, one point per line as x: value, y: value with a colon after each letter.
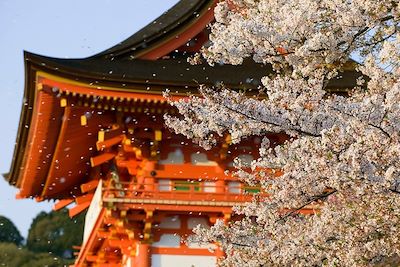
x: 169, y: 24
x: 159, y: 73
x: 22, y: 133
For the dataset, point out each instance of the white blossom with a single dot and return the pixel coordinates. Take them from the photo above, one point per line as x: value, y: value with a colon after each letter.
x: 343, y: 155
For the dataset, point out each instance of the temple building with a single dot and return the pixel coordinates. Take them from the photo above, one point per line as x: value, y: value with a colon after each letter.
x: 92, y: 137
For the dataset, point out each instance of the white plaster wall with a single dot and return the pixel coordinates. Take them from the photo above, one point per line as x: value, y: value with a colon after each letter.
x: 209, y: 187
x: 194, y: 221
x: 234, y: 187
x: 159, y: 260
x: 201, y: 159
x: 164, y: 185
x: 175, y: 157
x: 196, y: 245
x: 171, y: 222
x: 93, y: 212
x: 168, y: 241
x: 245, y: 158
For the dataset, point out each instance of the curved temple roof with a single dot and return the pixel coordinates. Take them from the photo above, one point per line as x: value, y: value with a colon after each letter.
x: 131, y: 64
x: 116, y: 65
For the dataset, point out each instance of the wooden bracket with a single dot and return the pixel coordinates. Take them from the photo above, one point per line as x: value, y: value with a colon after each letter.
x: 62, y: 203
x: 101, y: 145
x: 39, y: 86
x: 63, y: 102
x: 100, y: 159
x: 225, y: 146
x: 78, y: 209
x: 83, y: 120
x: 89, y: 186
x: 84, y: 198
x: 108, y: 134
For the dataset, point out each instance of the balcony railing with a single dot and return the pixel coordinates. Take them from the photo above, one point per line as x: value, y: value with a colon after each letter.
x: 179, y: 192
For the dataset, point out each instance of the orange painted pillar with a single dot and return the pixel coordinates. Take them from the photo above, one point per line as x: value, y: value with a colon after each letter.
x: 143, y: 258
x: 220, y: 186
x: 147, y: 175
x: 219, y: 253
x: 149, y: 184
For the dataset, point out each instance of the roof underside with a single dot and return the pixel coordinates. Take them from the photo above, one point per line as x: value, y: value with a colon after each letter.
x: 114, y: 66
x: 175, y: 72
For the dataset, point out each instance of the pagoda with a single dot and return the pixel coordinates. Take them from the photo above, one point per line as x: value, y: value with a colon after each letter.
x: 92, y: 138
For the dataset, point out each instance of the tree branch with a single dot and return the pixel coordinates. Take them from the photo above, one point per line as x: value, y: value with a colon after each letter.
x: 270, y: 123
x: 315, y: 198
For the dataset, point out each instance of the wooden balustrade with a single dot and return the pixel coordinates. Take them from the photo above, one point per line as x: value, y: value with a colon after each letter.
x: 182, y: 190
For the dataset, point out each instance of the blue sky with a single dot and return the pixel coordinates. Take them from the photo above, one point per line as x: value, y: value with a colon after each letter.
x: 65, y: 29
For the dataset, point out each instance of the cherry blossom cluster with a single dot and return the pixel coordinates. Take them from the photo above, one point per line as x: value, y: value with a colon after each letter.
x: 342, y: 161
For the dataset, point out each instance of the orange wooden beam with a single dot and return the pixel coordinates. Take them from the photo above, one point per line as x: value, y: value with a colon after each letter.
x: 188, y: 170
x: 83, y: 199
x: 90, y: 245
x: 108, y: 134
x: 100, y: 159
x: 78, y: 209
x: 181, y: 251
x: 41, y: 127
x: 101, y: 145
x: 62, y: 203
x: 92, y: 258
x: 89, y: 186
x: 103, y: 234
x: 81, y: 88
x: 175, y: 208
x: 119, y: 243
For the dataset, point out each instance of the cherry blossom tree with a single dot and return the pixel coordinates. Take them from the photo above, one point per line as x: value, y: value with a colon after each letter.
x: 343, y: 156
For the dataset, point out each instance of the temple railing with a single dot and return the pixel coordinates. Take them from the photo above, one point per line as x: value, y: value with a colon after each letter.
x: 178, y: 190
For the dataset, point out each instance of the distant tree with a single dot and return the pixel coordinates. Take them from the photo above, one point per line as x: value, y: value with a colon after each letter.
x: 9, y: 232
x: 56, y: 233
x: 13, y: 256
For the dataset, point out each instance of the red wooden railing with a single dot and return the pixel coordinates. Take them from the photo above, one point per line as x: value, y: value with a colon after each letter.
x: 176, y: 190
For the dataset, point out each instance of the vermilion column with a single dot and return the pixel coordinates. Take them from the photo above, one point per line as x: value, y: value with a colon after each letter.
x: 220, y: 186
x: 219, y: 253
x: 143, y: 258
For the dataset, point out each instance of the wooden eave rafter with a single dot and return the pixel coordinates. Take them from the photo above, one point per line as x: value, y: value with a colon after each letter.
x: 75, y: 145
x: 38, y: 131
x: 48, y: 86
x: 68, y: 87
